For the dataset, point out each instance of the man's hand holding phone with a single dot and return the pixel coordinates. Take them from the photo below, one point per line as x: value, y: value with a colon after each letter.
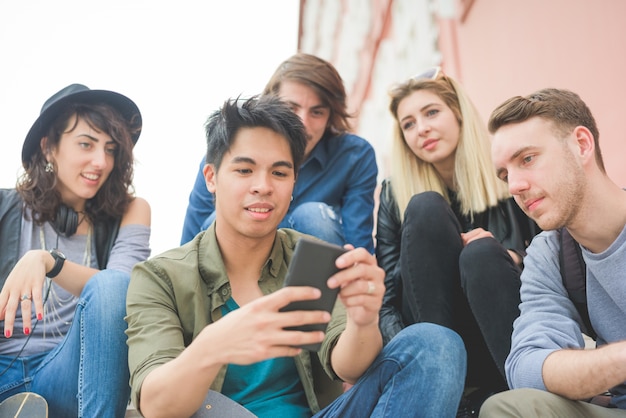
x: 258, y: 331
x: 351, y: 274
x: 362, y: 286
x: 313, y: 263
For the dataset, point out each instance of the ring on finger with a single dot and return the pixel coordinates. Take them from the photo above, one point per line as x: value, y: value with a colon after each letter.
x: 25, y: 296
x: 371, y: 287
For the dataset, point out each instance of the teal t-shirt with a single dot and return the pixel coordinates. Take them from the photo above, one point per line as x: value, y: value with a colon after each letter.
x: 270, y: 388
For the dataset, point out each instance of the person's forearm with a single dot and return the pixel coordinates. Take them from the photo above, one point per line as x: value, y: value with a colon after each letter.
x: 72, y: 276
x: 177, y: 388
x: 355, y: 351
x: 582, y: 374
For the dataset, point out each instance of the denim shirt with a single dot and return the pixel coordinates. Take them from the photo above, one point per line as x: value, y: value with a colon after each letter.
x: 341, y: 171
x: 173, y: 296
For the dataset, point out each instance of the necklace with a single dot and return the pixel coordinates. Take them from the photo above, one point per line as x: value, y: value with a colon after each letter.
x: 56, y: 297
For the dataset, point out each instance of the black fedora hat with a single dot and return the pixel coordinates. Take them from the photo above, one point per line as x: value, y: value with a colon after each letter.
x: 76, y: 93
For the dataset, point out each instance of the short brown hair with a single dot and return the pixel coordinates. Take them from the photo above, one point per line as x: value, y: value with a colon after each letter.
x: 564, y: 108
x: 323, y: 78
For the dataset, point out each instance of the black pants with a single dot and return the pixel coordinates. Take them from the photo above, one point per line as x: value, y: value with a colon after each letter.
x: 473, y: 290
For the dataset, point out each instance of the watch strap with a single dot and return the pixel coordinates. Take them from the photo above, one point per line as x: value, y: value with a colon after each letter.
x: 59, y: 260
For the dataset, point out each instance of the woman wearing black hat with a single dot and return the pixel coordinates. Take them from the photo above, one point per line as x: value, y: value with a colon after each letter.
x: 70, y: 233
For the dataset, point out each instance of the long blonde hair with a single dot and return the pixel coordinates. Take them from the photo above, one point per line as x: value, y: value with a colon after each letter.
x: 475, y: 181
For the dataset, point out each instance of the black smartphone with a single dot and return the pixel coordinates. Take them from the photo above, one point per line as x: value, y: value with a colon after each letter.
x: 312, y: 264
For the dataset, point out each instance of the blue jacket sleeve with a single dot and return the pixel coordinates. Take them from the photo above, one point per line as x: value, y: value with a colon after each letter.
x: 357, y: 209
x: 200, y: 207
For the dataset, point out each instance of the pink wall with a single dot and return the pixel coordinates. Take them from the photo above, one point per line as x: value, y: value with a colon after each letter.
x: 505, y: 48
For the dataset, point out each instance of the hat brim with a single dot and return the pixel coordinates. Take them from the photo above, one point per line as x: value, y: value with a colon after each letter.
x: 123, y: 104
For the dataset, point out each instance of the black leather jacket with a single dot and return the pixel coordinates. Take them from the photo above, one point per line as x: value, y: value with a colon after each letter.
x: 11, y: 207
x: 508, y: 224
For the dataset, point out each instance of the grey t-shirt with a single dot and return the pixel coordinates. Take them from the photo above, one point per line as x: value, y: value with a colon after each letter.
x: 131, y: 246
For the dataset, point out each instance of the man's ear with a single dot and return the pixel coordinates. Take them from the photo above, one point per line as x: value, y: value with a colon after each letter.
x: 585, y: 143
x: 209, y: 176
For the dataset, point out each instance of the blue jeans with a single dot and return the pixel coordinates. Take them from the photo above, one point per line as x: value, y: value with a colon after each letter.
x: 313, y: 218
x: 86, y: 375
x: 317, y: 219
x: 419, y: 373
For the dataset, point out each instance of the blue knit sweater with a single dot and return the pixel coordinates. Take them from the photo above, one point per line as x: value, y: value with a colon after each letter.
x: 549, y: 320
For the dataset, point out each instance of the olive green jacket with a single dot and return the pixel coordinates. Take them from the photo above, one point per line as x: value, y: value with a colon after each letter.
x: 173, y: 296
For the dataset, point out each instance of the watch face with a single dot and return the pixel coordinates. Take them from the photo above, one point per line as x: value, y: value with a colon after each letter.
x: 57, y: 254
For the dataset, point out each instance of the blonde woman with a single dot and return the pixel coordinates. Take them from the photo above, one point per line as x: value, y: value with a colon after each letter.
x: 449, y: 237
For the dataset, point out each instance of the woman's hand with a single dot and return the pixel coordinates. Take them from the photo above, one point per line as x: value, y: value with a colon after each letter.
x: 475, y: 234
x: 23, y: 288
x: 478, y: 233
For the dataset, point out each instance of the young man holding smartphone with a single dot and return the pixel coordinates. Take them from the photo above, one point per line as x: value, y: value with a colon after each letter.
x: 206, y: 316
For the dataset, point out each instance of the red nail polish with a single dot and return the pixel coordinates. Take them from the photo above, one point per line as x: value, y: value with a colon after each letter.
x: 26, y: 331
x: 7, y: 334
x: 39, y: 316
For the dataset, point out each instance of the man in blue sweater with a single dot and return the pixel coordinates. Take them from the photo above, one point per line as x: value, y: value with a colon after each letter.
x: 333, y: 198
x: 545, y: 146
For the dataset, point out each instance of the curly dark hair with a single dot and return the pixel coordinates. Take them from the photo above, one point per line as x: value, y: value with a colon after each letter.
x: 38, y: 187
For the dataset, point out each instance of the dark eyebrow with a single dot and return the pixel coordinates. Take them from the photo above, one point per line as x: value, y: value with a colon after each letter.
x: 94, y: 139
x: 286, y: 164
x: 319, y: 106
x: 248, y: 160
x: 243, y: 160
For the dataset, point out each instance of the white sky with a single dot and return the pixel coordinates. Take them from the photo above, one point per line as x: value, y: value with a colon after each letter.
x: 178, y: 60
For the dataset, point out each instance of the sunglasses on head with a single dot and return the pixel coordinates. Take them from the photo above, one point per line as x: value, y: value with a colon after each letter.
x: 430, y: 74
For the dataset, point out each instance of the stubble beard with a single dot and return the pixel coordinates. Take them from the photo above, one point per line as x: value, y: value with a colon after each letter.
x: 568, y: 197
